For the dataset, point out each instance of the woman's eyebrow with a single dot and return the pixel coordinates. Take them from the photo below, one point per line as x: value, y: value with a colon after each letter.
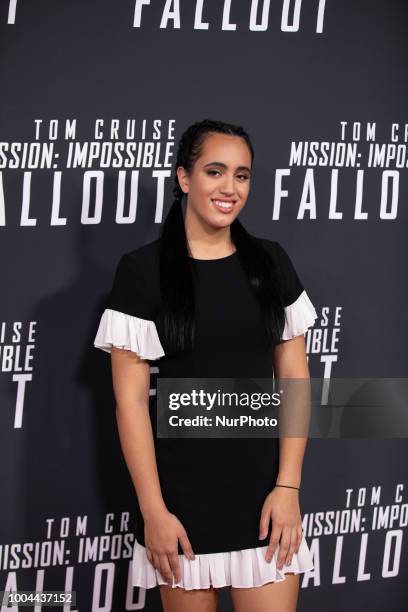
x: 222, y: 165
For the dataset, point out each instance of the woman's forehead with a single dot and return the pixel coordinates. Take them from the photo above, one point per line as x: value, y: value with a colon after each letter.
x: 226, y: 149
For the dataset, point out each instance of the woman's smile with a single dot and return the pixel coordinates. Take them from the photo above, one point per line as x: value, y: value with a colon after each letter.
x: 224, y: 206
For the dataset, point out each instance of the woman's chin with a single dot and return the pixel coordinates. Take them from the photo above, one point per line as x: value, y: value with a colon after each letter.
x: 221, y: 221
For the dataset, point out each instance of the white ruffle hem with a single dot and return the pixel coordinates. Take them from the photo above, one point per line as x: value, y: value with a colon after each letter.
x: 299, y: 315
x: 130, y: 333
x: 238, y: 568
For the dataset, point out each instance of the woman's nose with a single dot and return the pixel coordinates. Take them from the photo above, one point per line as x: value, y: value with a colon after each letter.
x: 227, y: 186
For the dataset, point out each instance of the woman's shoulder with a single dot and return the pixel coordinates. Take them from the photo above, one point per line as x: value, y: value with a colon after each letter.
x: 144, y: 256
x: 128, y: 320
x: 273, y: 247
x: 135, y: 283
x: 291, y: 284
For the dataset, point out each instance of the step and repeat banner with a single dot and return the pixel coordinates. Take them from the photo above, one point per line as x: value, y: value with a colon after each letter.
x: 94, y: 96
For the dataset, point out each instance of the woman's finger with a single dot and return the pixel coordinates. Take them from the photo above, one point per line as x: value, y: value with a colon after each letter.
x: 174, y: 562
x: 264, y: 524
x: 283, y: 546
x: 300, y: 536
x: 165, y: 569
x: 273, y: 541
x: 186, y: 546
x: 292, y: 546
x: 156, y: 561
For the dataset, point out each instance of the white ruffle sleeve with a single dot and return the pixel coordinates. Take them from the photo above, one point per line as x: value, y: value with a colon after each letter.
x: 238, y: 568
x: 128, y: 332
x: 299, y: 316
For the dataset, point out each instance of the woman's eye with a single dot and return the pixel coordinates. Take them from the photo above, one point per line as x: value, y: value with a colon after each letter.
x: 244, y: 177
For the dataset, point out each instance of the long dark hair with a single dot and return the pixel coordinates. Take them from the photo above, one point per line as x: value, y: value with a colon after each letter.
x: 176, y: 316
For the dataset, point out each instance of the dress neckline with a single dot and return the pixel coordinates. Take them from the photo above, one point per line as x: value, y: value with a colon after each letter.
x: 216, y: 259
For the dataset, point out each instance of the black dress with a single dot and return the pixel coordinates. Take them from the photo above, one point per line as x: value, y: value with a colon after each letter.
x: 216, y: 487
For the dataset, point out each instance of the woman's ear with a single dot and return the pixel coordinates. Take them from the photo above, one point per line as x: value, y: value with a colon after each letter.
x: 183, y: 180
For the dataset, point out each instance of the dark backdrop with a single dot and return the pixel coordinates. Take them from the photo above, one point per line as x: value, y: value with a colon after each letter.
x: 313, y: 72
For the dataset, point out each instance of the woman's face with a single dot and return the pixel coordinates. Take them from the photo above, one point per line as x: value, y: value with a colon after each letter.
x: 218, y: 185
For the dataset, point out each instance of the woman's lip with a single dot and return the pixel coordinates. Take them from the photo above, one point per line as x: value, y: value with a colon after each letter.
x: 220, y: 208
x: 223, y: 200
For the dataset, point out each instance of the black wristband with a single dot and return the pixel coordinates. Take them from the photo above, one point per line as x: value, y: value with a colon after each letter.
x: 287, y: 487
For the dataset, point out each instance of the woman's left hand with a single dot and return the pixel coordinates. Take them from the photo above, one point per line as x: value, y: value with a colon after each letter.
x: 282, y: 507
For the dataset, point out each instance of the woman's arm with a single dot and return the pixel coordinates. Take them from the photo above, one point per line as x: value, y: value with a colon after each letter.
x: 131, y: 384
x: 290, y: 361
x: 282, y: 504
x: 163, y: 530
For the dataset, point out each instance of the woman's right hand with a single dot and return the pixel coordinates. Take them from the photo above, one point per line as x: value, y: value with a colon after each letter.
x: 162, y: 532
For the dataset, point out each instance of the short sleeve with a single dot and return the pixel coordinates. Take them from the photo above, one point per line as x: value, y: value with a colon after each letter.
x: 127, y: 321
x: 300, y: 314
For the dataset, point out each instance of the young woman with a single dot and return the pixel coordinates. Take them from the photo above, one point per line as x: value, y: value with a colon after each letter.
x: 207, y: 299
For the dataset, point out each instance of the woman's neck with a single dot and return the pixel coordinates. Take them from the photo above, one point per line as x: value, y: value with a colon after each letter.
x: 207, y: 242
x: 213, y: 246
